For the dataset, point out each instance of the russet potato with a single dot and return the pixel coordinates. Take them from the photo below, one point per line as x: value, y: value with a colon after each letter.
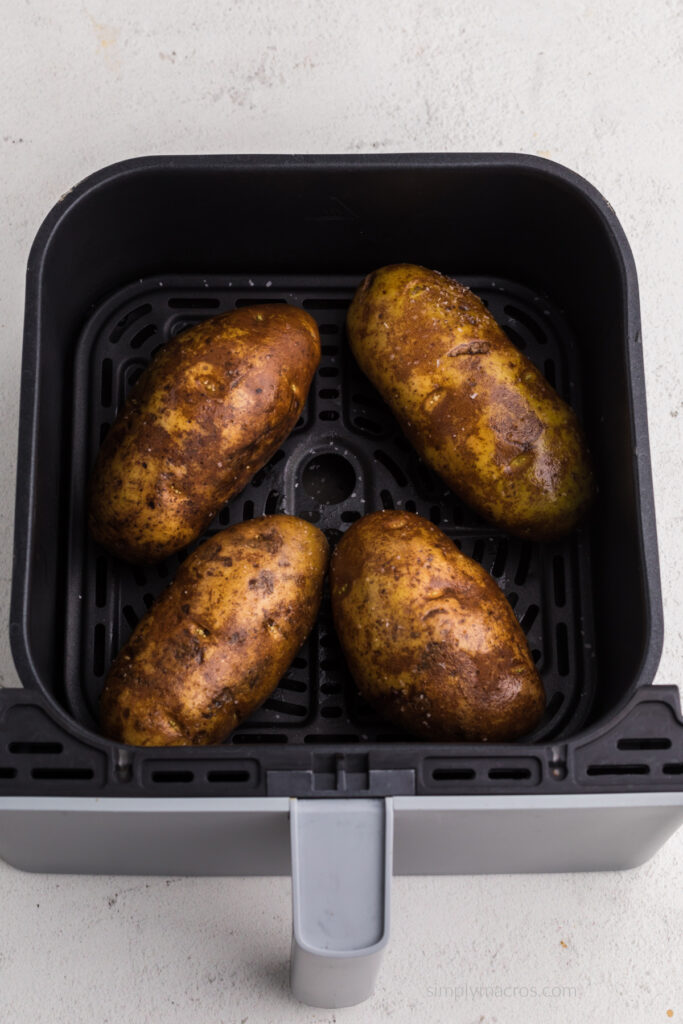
x: 428, y: 636
x: 476, y: 409
x: 213, y: 406
x: 219, y: 639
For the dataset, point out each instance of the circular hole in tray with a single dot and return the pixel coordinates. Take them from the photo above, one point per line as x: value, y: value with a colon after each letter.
x: 328, y: 479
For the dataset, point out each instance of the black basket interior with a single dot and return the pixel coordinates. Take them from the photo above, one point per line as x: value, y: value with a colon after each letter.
x: 345, y: 458
x: 143, y: 250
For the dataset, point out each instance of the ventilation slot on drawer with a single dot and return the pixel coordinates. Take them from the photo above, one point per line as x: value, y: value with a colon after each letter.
x: 35, y: 747
x: 172, y: 776
x: 228, y: 776
x: 449, y: 774
x: 63, y: 774
x: 645, y: 743
x: 509, y: 773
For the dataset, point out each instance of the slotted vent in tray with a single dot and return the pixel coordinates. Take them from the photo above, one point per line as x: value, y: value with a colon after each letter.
x: 345, y: 458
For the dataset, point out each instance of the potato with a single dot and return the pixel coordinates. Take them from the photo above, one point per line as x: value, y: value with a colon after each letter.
x: 219, y: 639
x: 214, y: 405
x: 475, y: 408
x: 428, y: 636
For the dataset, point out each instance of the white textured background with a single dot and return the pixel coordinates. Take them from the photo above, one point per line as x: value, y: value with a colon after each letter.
x: 594, y: 85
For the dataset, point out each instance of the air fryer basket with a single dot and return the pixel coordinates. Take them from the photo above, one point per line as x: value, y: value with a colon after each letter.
x: 144, y: 249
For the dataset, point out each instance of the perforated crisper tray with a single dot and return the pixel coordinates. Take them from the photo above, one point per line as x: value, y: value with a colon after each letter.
x: 345, y: 458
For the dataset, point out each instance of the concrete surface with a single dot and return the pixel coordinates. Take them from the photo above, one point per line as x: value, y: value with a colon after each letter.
x: 596, y: 86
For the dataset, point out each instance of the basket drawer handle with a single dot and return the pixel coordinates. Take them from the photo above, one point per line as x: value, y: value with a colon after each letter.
x: 341, y: 884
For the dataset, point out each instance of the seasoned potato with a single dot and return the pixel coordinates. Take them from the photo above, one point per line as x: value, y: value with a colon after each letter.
x: 211, y: 409
x: 218, y: 640
x: 475, y: 408
x: 429, y: 638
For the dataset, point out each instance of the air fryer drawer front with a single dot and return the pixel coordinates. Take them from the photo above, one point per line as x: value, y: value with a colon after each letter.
x: 444, y: 835
x: 339, y: 851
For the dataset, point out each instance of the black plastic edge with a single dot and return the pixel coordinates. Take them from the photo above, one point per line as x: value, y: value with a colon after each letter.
x: 649, y: 764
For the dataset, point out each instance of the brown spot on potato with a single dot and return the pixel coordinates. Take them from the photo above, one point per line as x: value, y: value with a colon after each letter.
x: 269, y: 539
x: 264, y: 582
x: 470, y: 348
x: 201, y: 630
x: 433, y: 399
x: 435, y: 611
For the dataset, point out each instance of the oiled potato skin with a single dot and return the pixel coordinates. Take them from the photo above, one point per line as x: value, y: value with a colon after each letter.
x: 475, y: 408
x: 429, y: 638
x: 211, y: 409
x: 218, y: 640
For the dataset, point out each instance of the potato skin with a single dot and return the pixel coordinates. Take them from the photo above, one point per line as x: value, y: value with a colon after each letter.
x: 475, y: 408
x: 217, y: 642
x: 429, y: 638
x: 214, y: 405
